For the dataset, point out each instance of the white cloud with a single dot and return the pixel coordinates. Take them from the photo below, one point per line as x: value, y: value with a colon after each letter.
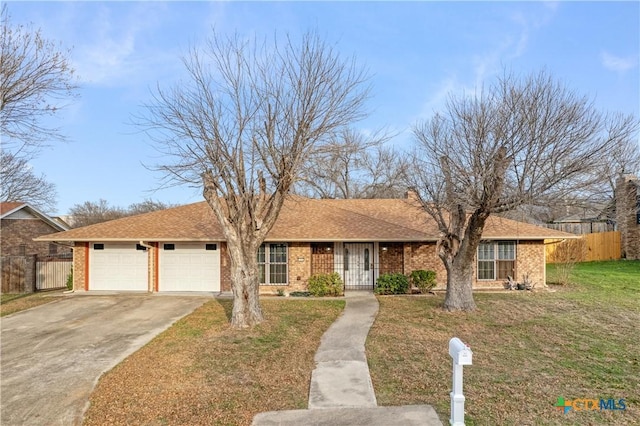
x: 617, y: 63
x: 116, y: 50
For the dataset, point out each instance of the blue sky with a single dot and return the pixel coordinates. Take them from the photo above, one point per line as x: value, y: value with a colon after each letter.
x: 416, y: 52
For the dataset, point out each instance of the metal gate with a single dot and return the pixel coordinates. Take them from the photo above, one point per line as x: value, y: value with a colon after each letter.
x: 358, y: 266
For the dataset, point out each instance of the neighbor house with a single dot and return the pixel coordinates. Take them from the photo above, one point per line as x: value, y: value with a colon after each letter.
x: 20, y: 223
x: 184, y: 249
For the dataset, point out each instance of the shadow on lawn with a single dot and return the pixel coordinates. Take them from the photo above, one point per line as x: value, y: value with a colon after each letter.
x: 227, y: 305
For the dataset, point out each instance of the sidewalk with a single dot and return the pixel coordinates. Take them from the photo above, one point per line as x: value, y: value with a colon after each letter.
x: 341, y: 391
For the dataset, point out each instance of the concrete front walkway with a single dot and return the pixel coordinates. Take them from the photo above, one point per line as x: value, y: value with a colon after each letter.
x: 53, y: 355
x: 341, y: 391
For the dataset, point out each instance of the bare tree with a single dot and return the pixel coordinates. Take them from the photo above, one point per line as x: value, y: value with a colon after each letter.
x: 523, y: 141
x: 36, y: 79
x: 623, y: 158
x: 18, y: 182
x: 92, y: 212
x: 147, y: 206
x: 353, y: 165
x: 385, y: 168
x: 241, y: 127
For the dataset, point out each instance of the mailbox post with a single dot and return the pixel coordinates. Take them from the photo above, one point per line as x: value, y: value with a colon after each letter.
x: 461, y: 355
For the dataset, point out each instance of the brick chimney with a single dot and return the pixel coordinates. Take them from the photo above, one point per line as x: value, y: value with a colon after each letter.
x: 412, y: 195
x: 627, y: 195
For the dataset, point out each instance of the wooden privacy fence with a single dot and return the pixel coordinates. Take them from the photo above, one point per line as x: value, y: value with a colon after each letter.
x: 52, y: 271
x: 587, y: 248
x: 17, y: 271
x: 26, y: 274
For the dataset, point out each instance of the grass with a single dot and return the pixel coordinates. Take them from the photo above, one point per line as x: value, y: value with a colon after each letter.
x: 580, y: 341
x: 577, y: 341
x: 200, y: 371
x: 11, y: 303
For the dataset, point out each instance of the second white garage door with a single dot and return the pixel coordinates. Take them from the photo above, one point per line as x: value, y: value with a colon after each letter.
x: 189, y: 267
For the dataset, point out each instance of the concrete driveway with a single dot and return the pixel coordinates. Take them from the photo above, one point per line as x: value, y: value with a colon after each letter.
x: 53, y: 355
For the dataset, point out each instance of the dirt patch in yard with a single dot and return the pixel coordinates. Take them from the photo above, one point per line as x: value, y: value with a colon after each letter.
x: 202, y: 372
x: 12, y: 303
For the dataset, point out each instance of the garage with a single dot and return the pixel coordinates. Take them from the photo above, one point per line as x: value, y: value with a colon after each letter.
x: 118, y: 266
x: 189, y: 267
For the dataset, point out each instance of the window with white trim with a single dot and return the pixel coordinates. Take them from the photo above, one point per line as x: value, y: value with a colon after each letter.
x: 496, y: 260
x: 273, y: 264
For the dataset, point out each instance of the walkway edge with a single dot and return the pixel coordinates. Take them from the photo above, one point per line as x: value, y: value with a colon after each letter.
x: 407, y: 415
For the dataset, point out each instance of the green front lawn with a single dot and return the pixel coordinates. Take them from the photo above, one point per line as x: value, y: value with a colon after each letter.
x: 578, y: 341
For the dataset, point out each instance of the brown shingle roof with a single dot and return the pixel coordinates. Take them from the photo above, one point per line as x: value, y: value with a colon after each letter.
x: 8, y: 206
x: 301, y: 219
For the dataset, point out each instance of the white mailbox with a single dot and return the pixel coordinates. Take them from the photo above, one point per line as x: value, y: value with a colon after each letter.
x: 461, y: 355
x: 460, y: 352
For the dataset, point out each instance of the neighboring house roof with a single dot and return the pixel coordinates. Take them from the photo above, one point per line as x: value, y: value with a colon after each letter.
x: 8, y: 207
x: 18, y: 210
x: 301, y: 219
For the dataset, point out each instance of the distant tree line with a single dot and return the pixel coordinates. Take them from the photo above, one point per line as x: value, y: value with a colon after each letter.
x: 92, y: 212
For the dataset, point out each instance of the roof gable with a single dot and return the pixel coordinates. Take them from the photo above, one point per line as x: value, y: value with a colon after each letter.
x: 17, y: 210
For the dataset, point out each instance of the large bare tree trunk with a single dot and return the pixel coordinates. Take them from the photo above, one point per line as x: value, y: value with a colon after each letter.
x: 459, y: 296
x: 245, y: 286
x: 458, y: 255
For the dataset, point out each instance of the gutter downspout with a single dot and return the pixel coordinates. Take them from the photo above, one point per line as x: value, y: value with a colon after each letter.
x: 145, y: 245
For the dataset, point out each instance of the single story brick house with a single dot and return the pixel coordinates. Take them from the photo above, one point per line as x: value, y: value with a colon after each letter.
x: 20, y: 224
x: 184, y: 249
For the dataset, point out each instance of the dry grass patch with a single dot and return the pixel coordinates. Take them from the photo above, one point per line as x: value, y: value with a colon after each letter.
x: 12, y: 303
x: 529, y: 349
x: 202, y: 372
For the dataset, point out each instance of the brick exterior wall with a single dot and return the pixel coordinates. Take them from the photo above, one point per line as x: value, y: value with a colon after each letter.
x: 80, y: 266
x: 530, y: 260
x: 530, y: 257
x: 17, y: 232
x: 627, y: 208
x: 225, y: 268
x: 299, y: 270
x: 424, y: 256
x: 299, y: 265
x: 322, y: 258
x: 391, y: 257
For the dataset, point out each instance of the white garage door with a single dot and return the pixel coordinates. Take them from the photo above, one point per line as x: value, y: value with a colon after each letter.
x: 189, y: 267
x: 118, y: 266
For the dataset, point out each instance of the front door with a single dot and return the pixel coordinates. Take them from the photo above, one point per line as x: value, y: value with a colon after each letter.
x: 358, y: 266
